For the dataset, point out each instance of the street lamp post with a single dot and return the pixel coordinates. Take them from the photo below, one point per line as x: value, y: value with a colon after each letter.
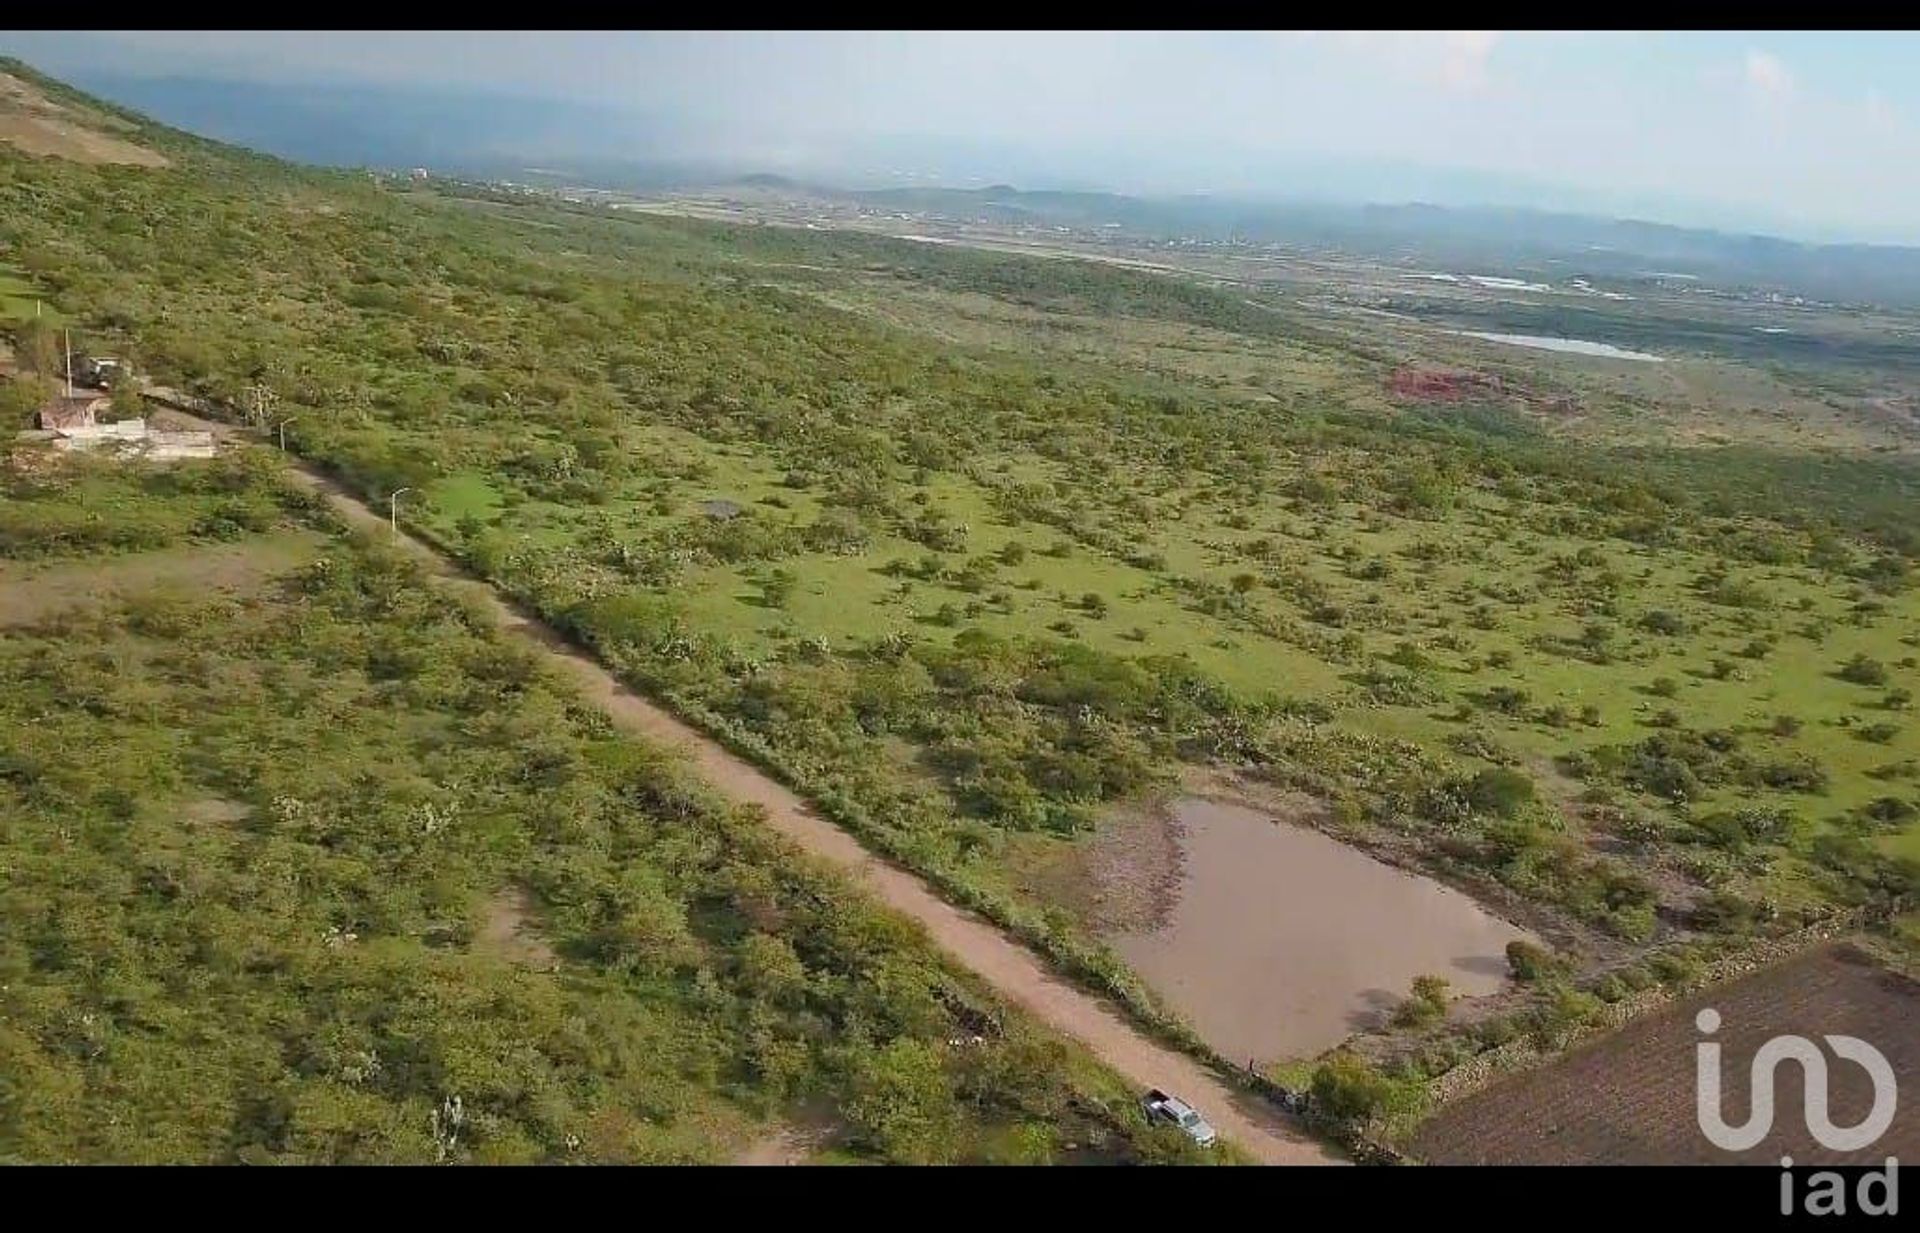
x: 393, y: 510
x: 283, y: 431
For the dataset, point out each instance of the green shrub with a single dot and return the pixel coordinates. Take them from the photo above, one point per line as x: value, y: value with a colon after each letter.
x: 1500, y: 791
x: 1863, y: 669
x: 1348, y: 1089
x: 1660, y: 621
x: 1529, y: 962
x: 1427, y: 1005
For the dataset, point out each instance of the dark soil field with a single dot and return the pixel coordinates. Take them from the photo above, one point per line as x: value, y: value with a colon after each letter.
x: 1629, y: 1098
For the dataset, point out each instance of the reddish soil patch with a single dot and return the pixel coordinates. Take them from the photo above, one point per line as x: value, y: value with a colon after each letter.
x: 1443, y: 385
x: 1440, y: 384
x: 1629, y: 1098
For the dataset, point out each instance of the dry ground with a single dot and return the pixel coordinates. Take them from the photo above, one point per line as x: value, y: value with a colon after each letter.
x: 1629, y: 1098
x: 30, y: 593
x: 33, y: 592
x: 32, y: 122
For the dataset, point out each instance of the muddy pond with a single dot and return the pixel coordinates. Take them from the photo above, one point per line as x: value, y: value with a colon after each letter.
x: 1276, y: 941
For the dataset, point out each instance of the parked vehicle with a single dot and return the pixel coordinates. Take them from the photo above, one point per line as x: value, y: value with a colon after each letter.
x: 1161, y: 1107
x: 101, y: 372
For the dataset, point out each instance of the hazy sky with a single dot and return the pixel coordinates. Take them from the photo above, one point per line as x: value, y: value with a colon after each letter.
x: 1815, y: 132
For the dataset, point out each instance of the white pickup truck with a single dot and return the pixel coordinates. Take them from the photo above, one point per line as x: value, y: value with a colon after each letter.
x: 1161, y: 1107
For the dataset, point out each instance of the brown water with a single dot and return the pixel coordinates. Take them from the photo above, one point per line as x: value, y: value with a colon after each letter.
x: 1281, y: 941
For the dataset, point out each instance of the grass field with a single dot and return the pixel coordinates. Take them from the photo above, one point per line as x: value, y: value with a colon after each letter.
x: 20, y: 299
x: 1403, y: 626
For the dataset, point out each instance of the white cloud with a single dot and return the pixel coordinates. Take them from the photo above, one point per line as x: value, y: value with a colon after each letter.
x: 1767, y: 74
x: 1770, y: 126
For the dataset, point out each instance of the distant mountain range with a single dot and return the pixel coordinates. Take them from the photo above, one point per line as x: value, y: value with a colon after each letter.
x: 369, y: 126
x: 507, y: 137
x: 1483, y: 239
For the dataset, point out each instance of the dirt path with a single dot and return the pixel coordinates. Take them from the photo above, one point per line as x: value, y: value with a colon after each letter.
x: 783, y: 1147
x: 797, y: 1141
x: 1020, y: 975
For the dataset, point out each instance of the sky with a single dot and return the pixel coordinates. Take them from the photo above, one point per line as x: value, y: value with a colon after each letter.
x: 1807, y: 133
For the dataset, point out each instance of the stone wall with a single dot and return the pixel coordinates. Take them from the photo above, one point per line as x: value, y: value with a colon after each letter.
x: 1367, y: 1147
x: 1522, y: 1054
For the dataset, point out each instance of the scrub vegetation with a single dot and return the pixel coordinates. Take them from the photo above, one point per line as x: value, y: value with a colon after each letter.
x: 320, y: 869
x: 963, y: 594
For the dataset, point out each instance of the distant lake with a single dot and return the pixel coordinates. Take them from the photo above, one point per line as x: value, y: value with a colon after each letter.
x: 1578, y: 346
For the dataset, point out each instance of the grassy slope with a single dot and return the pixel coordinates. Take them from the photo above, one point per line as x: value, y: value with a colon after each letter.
x: 576, y: 386
x: 248, y: 923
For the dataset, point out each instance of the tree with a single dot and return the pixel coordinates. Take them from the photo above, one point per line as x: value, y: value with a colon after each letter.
x: 1499, y: 790
x: 1426, y: 488
x: 902, y: 1103
x: 1347, y: 1088
x: 37, y: 345
x: 1661, y: 621
x: 778, y: 587
x: 770, y: 969
x: 1863, y: 669
x: 20, y: 398
x: 127, y: 402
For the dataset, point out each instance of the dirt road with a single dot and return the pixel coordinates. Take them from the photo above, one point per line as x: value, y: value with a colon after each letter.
x: 1019, y: 974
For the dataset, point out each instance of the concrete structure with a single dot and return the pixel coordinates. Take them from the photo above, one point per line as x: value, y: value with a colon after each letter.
x: 70, y: 411
x: 164, y: 446
x: 136, y: 436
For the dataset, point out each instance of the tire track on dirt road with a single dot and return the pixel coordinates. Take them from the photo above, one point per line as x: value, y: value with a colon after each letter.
x: 1020, y: 975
